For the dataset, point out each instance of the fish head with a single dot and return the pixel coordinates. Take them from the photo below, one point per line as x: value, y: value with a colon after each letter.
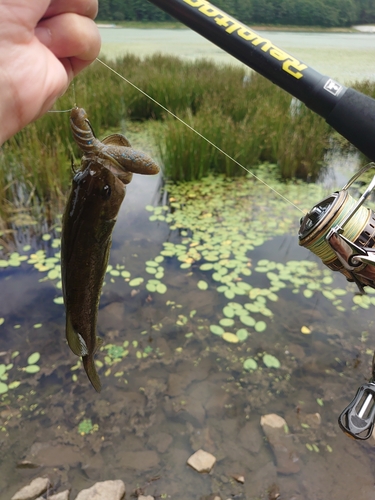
x: 98, y: 192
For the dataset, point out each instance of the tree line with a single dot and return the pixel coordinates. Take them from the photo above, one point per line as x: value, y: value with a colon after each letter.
x: 326, y: 13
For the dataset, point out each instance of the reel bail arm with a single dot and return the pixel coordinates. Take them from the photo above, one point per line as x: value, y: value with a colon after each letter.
x: 350, y: 254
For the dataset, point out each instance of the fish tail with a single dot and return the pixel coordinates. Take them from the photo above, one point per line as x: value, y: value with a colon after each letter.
x: 89, y: 366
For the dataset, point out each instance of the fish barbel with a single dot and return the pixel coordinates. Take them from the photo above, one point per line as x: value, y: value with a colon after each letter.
x: 97, y: 192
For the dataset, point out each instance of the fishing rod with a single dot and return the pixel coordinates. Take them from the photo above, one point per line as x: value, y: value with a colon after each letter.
x: 338, y: 229
x: 349, y: 112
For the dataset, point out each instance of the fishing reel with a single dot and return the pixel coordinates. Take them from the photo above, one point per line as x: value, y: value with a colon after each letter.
x: 341, y: 232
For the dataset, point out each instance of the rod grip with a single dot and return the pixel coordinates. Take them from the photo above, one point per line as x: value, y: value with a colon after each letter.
x: 354, y: 118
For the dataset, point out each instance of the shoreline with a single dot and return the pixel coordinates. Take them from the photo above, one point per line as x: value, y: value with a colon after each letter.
x: 277, y: 27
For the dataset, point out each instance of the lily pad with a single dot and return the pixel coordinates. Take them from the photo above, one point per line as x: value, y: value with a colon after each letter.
x: 260, y: 326
x: 250, y: 364
x: 242, y: 334
x: 3, y: 388
x: 33, y: 358
x: 136, y: 281
x: 270, y: 361
x: 32, y: 369
x: 216, y: 330
x: 230, y: 337
x: 202, y: 285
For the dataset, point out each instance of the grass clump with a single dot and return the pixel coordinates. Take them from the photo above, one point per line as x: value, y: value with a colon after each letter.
x: 248, y: 117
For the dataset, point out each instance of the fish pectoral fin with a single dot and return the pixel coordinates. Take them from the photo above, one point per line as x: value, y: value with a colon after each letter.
x: 116, y: 140
x: 75, y: 340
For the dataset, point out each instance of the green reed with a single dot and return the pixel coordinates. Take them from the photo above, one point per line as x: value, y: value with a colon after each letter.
x: 241, y: 112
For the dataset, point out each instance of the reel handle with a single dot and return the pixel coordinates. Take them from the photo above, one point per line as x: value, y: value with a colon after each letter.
x: 358, y: 418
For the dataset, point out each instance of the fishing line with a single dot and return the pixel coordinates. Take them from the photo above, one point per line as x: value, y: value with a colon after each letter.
x: 200, y: 135
x: 73, y: 87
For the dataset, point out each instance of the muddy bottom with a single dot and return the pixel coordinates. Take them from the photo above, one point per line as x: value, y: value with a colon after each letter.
x: 176, y: 374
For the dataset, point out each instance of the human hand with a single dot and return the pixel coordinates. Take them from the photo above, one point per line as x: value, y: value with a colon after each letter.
x: 43, y: 45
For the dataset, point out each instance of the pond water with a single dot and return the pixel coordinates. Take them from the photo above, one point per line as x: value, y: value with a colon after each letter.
x: 211, y: 317
x: 345, y: 56
x: 202, y: 315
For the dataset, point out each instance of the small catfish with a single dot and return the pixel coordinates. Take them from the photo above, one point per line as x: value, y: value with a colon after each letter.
x: 88, y: 223
x: 95, y: 199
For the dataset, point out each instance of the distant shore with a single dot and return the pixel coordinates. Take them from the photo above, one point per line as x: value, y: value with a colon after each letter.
x: 279, y: 27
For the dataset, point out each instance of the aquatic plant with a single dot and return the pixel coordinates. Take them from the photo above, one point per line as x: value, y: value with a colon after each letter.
x: 243, y: 114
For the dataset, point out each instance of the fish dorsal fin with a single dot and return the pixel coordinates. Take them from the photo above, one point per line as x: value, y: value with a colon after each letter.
x: 116, y: 140
x: 75, y: 340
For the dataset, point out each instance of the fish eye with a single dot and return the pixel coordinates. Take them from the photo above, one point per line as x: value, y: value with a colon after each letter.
x: 106, y: 192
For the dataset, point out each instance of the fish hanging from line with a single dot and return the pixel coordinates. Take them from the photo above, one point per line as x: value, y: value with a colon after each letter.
x: 97, y: 192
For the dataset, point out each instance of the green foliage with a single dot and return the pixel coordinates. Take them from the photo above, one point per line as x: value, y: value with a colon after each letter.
x: 328, y: 13
x: 250, y: 119
x: 247, y: 117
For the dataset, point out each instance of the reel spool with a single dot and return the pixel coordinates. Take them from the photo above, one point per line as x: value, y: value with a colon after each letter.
x: 341, y: 232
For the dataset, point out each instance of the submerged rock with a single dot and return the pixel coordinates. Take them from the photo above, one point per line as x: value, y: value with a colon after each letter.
x: 202, y: 461
x: 32, y: 491
x: 63, y: 495
x: 250, y: 437
x: 106, y: 490
x: 274, y: 427
x: 138, y: 460
x: 161, y: 441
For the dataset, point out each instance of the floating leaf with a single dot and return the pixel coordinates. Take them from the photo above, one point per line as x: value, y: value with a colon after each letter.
x: 202, y: 285
x: 250, y: 364
x: 2, y: 321
x: 3, y: 388
x: 226, y: 322
x: 14, y: 385
x: 151, y: 287
x: 32, y: 369
x: 206, y: 267
x: 247, y: 320
x: 320, y: 401
x: 37, y: 325
x: 270, y: 361
x: 53, y: 274
x: 305, y: 330
x: 228, y: 312
x: 242, y: 334
x: 151, y: 263
x: 260, y: 326
x: 59, y: 300
x: 33, y: 358
x: 216, y: 329
x: 230, y: 337
x: 136, y: 281
x: 161, y: 288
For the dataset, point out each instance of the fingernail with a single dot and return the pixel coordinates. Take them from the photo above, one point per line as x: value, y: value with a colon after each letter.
x: 44, y: 35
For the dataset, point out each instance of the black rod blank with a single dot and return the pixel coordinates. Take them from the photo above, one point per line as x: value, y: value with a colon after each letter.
x: 349, y: 112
